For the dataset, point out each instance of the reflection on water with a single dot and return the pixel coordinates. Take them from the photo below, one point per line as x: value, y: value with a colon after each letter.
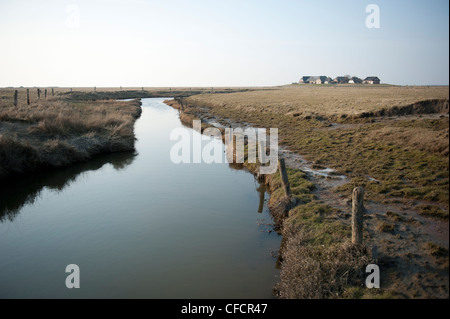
x: 138, y: 226
x: 262, y: 192
x: 26, y: 189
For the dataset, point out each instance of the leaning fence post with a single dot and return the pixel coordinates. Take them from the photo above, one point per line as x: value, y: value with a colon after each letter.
x: 15, y: 97
x: 357, y: 215
x: 284, y: 177
x: 28, y: 96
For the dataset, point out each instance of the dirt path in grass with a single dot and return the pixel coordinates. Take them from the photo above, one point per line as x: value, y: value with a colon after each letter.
x: 409, y: 266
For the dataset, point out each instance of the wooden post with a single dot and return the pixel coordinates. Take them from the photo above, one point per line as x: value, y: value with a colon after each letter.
x: 39, y: 94
x: 53, y: 92
x: 284, y: 178
x: 28, y: 96
x: 375, y: 253
x: 45, y: 93
x: 15, y: 97
x: 357, y: 215
x: 95, y: 89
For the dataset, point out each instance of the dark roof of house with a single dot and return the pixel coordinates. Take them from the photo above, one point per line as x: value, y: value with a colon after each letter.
x: 372, y: 78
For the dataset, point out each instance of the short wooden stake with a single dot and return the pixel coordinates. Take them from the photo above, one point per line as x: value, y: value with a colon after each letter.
x: 357, y: 215
x: 39, y: 94
x: 53, y: 92
x: 284, y: 178
x: 28, y: 96
x: 16, y: 93
x: 45, y: 93
x: 375, y: 253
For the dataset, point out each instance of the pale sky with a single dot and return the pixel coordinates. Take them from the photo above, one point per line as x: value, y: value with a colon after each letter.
x: 219, y: 43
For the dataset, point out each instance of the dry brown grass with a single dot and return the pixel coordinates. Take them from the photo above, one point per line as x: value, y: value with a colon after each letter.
x: 316, y: 272
x: 54, y: 132
x: 330, y: 101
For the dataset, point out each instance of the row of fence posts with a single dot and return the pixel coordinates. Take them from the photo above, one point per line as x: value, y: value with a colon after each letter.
x: 16, y: 95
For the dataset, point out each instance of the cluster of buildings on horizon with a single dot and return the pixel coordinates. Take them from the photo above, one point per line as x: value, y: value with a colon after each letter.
x: 339, y: 80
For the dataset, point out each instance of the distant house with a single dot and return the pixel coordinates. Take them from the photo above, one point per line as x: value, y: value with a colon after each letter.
x: 315, y: 79
x: 341, y: 80
x: 356, y: 80
x: 328, y: 80
x: 372, y: 80
x: 304, y: 79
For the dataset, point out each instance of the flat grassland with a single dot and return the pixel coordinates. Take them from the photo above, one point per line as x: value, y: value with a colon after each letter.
x: 346, y: 128
x: 394, y: 142
x: 329, y: 101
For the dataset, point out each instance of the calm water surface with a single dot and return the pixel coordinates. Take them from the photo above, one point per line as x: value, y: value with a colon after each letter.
x: 138, y: 226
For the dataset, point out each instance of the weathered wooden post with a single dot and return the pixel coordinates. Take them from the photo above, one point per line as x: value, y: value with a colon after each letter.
x: 28, y: 96
x: 284, y: 178
x: 39, y: 93
x: 45, y: 93
x: 16, y: 93
x: 53, y: 92
x: 375, y: 253
x: 95, y: 89
x: 357, y: 215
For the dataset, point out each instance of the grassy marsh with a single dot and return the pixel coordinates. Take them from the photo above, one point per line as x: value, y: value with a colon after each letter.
x: 391, y: 140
